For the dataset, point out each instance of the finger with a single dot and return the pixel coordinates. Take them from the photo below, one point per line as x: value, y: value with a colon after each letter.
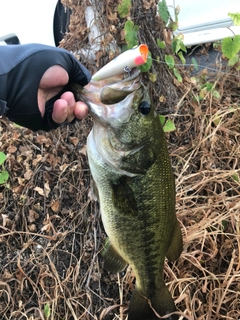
x: 66, y: 108
x: 53, y: 77
x: 63, y: 108
x: 60, y: 111
x: 81, y: 110
x: 71, y: 103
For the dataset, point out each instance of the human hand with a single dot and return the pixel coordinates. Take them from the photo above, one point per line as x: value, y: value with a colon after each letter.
x: 66, y: 108
x: 36, y: 79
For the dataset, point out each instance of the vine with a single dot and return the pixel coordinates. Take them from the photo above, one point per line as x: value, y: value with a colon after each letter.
x: 231, y: 46
x: 131, y: 38
x: 177, y: 44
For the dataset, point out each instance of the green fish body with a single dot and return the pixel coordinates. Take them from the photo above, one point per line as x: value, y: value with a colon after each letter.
x: 131, y: 169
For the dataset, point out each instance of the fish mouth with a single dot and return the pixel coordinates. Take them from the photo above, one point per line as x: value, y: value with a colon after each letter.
x: 112, y: 99
x: 119, y: 91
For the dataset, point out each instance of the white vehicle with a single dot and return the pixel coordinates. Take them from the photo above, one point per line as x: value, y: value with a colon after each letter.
x: 202, y: 21
x: 45, y: 21
x: 33, y: 21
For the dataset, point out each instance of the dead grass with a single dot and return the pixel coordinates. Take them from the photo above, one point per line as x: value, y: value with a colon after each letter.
x: 207, y: 168
x: 51, y: 234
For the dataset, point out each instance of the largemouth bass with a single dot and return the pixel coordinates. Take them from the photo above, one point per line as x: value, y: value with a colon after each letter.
x: 131, y: 169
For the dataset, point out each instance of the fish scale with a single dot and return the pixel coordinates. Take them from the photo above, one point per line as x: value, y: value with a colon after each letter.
x: 148, y: 233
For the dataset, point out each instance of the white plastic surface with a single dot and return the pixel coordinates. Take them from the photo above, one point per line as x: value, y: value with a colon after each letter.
x: 211, y: 35
x: 30, y: 20
x: 199, y: 18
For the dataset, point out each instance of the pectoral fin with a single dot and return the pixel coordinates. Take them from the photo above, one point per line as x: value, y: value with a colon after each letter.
x: 176, y: 246
x: 113, y: 262
x: 93, y: 191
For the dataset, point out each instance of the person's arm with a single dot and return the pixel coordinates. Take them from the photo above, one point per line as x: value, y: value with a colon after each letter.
x: 26, y: 95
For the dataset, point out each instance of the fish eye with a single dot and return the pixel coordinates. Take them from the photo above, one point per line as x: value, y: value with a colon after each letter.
x: 144, y: 107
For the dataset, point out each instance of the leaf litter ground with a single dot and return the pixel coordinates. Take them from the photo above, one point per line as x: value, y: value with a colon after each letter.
x: 51, y: 234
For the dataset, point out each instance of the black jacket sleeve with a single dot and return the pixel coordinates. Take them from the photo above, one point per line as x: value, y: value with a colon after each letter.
x: 21, y: 69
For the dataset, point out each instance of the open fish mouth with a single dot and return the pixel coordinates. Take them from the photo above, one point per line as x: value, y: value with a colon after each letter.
x: 110, y: 98
x: 117, y: 92
x: 108, y: 91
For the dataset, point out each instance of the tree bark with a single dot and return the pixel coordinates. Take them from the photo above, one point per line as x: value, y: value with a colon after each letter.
x: 165, y: 91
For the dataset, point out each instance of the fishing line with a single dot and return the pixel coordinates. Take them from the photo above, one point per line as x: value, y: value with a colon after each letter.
x: 198, y: 66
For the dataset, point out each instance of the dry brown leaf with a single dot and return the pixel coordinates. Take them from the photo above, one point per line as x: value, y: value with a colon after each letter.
x: 17, y: 190
x: 6, y: 221
x: 38, y: 159
x: 55, y: 205
x: 41, y: 139
x: 84, y: 150
x: 11, y: 149
x: 28, y: 174
x: 64, y: 167
x: 39, y: 190
x: 74, y: 140
x: 32, y: 216
x: 53, y: 160
x: 47, y: 189
x: 148, y: 4
x: 7, y: 275
x: 32, y: 227
x: 25, y: 151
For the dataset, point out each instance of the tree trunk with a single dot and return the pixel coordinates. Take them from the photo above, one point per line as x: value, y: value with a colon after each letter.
x: 96, y: 48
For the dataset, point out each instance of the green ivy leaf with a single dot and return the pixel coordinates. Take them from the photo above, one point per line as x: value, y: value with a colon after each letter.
x: 163, y: 11
x: 235, y: 17
x: 180, y: 54
x: 146, y: 66
x: 169, y: 126
x: 47, y: 310
x: 124, y: 8
x: 173, y: 26
x: 177, y: 45
x: 216, y: 120
x: 169, y: 61
x: 209, y: 86
x: 195, y: 64
x: 177, y: 74
x: 161, y: 44
x: 162, y: 119
x: 216, y: 94
x: 235, y: 177
x: 231, y: 46
x: 131, y: 32
x: 4, y: 175
x: 233, y: 61
x: 3, y: 157
x: 152, y: 77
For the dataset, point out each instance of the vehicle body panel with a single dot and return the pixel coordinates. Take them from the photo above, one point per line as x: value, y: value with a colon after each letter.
x: 30, y: 20
x: 204, y: 21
